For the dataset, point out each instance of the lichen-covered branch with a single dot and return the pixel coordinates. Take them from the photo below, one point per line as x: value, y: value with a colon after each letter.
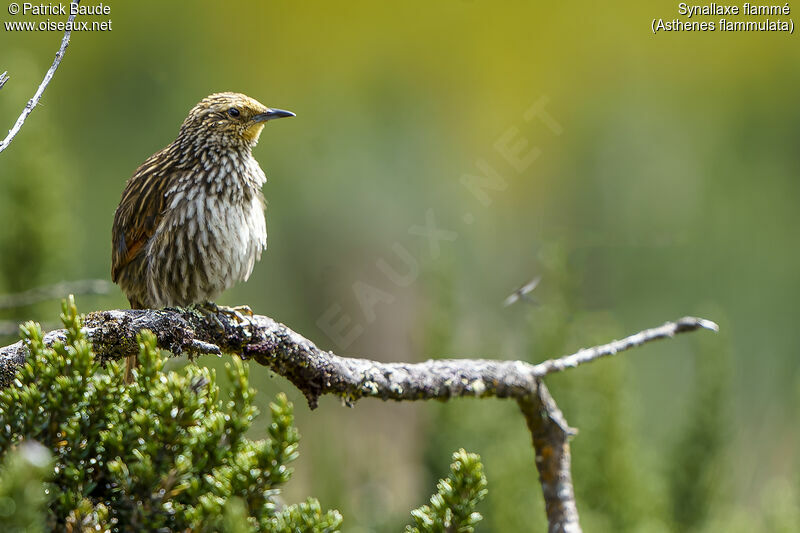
x: 33, y: 102
x: 550, y: 434
x: 316, y: 372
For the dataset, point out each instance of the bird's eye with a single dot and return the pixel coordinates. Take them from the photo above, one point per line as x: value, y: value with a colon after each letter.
x: 233, y: 112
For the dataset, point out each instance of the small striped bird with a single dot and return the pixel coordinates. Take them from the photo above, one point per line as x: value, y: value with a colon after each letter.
x: 190, y: 223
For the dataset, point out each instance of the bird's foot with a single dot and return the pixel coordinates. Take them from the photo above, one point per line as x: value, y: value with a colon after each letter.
x: 237, y: 313
x: 207, y: 308
x: 243, y: 309
x: 238, y: 318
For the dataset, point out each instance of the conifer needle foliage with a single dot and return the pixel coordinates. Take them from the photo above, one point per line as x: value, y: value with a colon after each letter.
x: 163, y: 454
x: 81, y: 451
x: 452, y: 508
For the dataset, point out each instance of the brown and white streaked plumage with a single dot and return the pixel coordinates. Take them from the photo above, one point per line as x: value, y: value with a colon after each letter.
x: 191, y: 223
x: 191, y: 220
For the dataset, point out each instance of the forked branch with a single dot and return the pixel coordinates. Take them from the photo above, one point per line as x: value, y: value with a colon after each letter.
x: 316, y: 372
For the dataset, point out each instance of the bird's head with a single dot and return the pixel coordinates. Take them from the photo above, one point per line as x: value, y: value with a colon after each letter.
x: 230, y: 119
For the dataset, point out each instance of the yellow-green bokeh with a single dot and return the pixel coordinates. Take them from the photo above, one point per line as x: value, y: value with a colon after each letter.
x: 671, y: 188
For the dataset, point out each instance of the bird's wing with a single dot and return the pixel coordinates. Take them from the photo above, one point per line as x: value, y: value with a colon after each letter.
x: 511, y: 298
x: 522, y: 292
x: 528, y: 287
x: 141, y: 209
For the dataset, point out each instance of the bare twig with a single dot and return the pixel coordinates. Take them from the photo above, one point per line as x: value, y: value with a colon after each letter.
x: 33, y: 102
x: 56, y: 291
x: 3, y: 79
x: 670, y: 329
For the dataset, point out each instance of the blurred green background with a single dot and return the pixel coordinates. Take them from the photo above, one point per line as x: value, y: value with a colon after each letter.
x: 664, y: 183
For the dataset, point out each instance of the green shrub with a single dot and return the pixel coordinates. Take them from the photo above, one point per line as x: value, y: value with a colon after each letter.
x: 452, y: 508
x: 164, y: 453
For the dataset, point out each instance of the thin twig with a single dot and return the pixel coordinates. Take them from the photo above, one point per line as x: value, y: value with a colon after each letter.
x: 3, y: 79
x: 33, y: 102
x: 670, y: 329
x: 56, y: 291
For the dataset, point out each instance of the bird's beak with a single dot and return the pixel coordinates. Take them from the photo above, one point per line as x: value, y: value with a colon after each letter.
x: 272, y: 114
